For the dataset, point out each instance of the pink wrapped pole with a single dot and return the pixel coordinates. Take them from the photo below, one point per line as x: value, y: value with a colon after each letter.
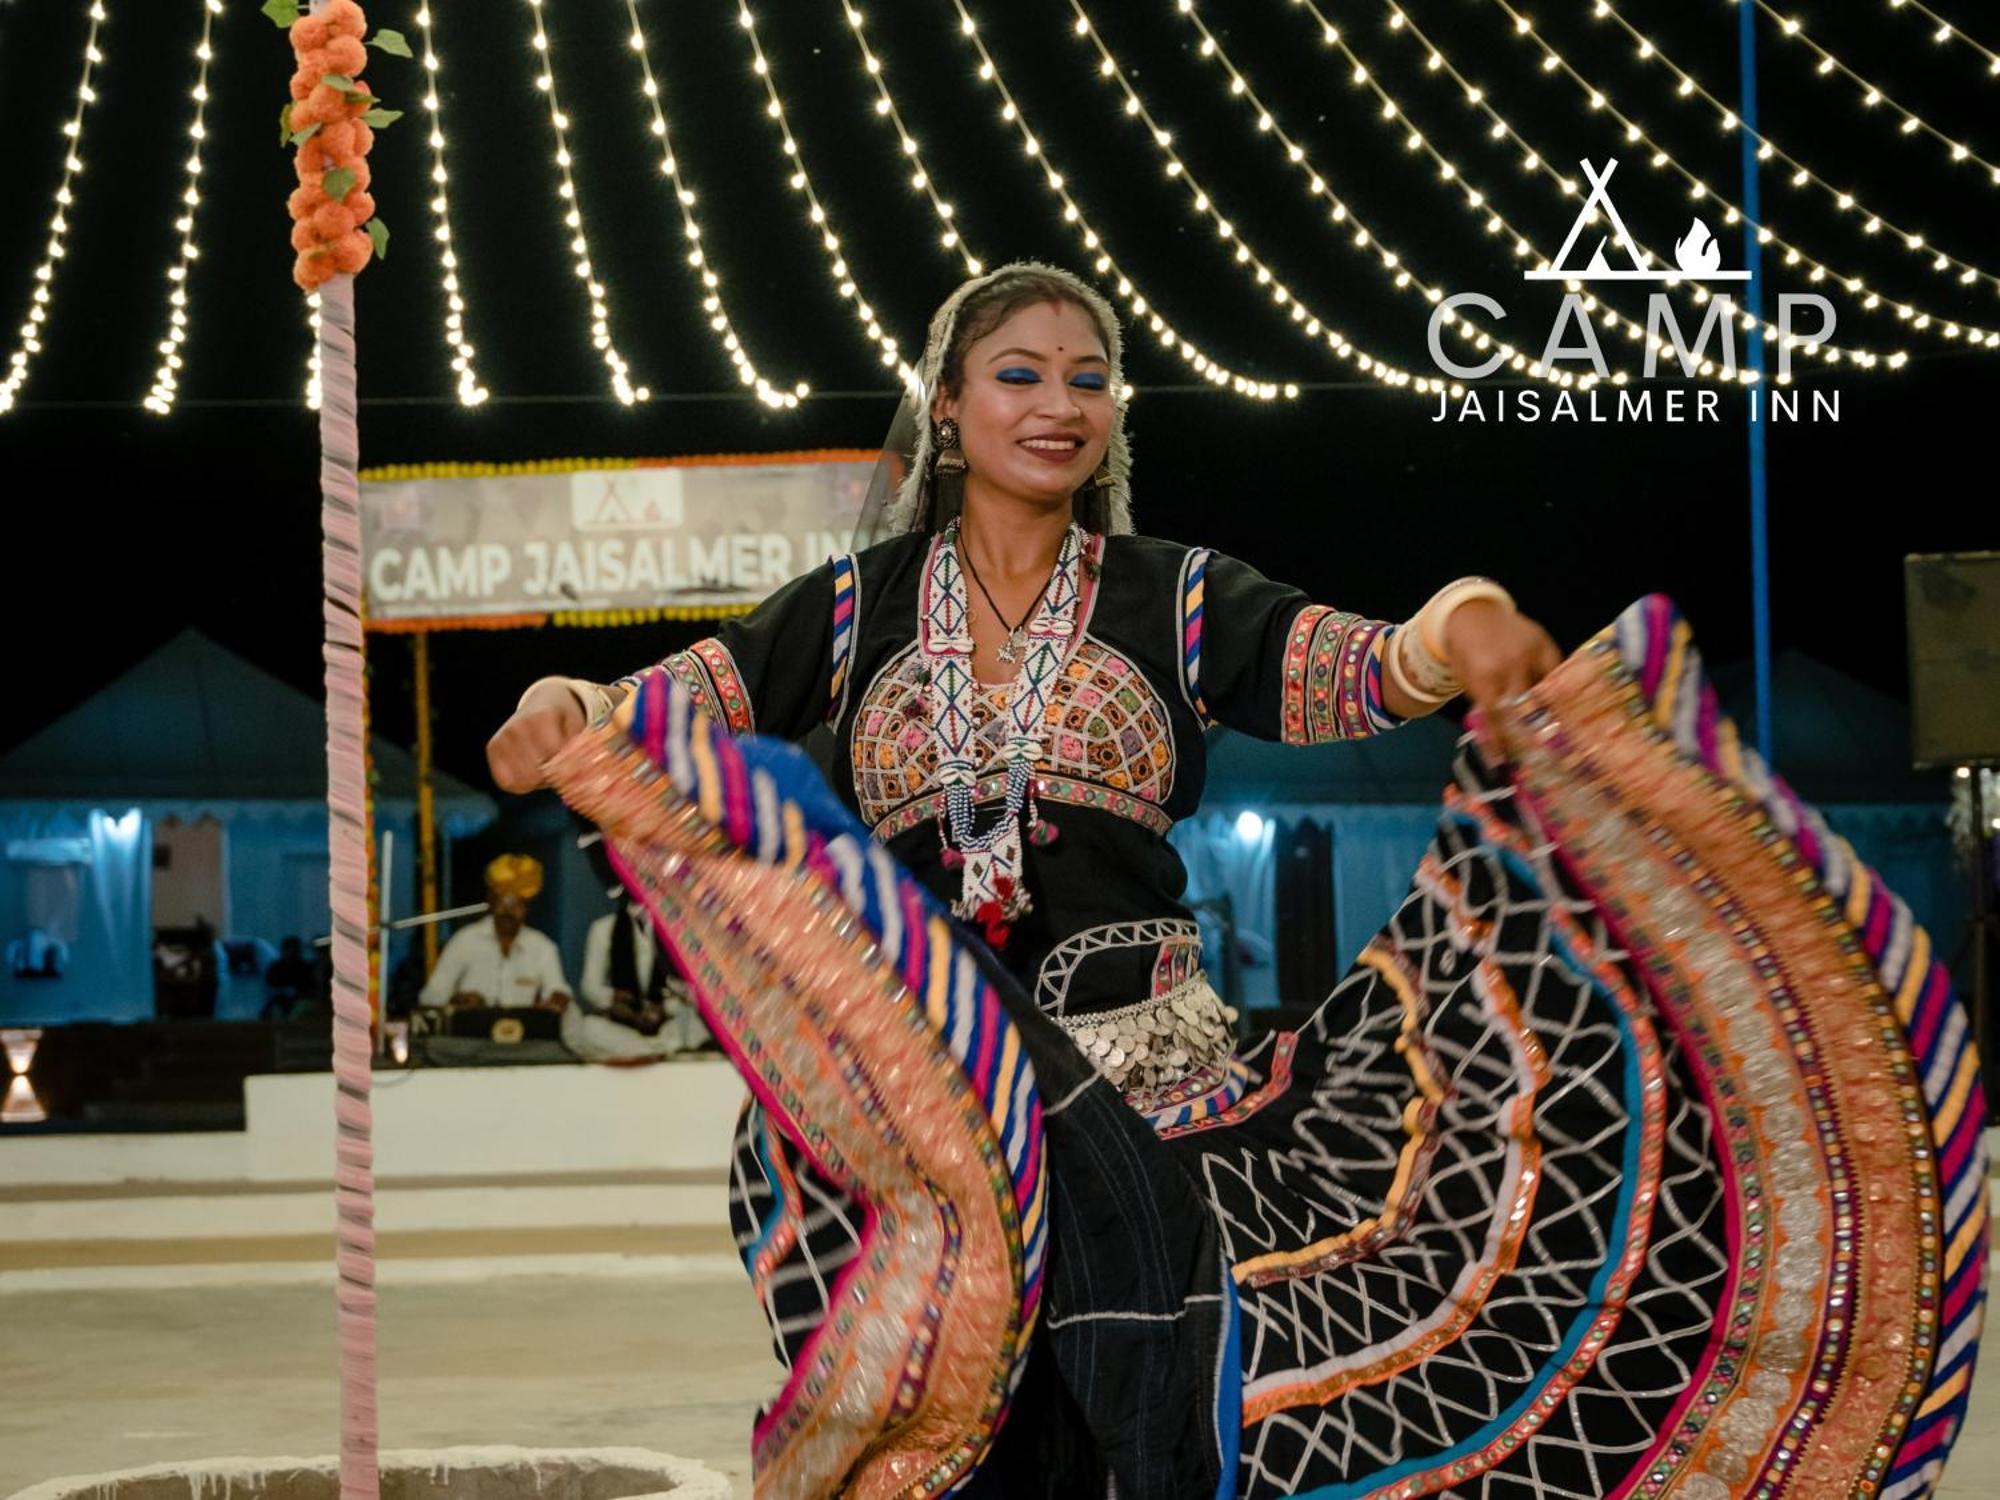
x: 348, y: 838
x: 325, y: 122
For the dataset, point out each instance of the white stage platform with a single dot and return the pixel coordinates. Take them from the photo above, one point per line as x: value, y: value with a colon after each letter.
x: 456, y: 1149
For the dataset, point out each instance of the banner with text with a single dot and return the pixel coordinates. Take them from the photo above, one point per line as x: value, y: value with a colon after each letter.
x: 664, y: 534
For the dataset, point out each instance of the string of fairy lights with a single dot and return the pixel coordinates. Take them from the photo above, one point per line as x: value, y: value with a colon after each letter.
x: 1816, y: 270
x: 314, y: 388
x: 571, y: 208
x: 1245, y: 255
x: 166, y: 376
x: 1873, y: 99
x: 458, y: 346
x: 950, y: 237
x: 1449, y: 175
x: 1942, y: 32
x: 1257, y: 273
x: 42, y: 298
x: 800, y: 181
x: 1142, y: 307
x: 1534, y: 165
x: 713, y: 308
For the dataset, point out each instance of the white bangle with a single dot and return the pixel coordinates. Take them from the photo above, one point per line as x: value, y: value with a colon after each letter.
x: 1439, y: 688
x: 1434, y: 616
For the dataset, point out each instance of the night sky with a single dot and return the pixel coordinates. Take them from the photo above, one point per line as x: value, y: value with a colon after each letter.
x: 124, y: 528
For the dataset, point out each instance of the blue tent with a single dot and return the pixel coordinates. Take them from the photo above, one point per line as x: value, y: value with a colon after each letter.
x: 191, y: 736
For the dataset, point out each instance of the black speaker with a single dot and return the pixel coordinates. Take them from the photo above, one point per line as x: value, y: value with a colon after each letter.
x: 1953, y: 602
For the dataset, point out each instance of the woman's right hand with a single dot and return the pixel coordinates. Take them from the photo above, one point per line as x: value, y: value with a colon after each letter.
x: 548, y: 718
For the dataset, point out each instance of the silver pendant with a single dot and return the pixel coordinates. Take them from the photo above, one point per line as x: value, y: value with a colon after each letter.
x: 1013, y: 644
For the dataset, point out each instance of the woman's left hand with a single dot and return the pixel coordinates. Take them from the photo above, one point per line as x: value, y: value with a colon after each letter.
x: 1497, y: 652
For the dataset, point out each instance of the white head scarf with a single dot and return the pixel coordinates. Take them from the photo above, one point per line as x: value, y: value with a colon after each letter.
x: 912, y: 506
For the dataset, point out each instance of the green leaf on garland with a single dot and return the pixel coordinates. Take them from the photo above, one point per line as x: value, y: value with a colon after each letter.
x: 282, y: 13
x: 337, y: 81
x: 338, y: 182
x: 375, y: 119
x: 379, y: 233
x: 361, y: 96
x: 299, y: 138
x: 285, y: 125
x: 392, y: 43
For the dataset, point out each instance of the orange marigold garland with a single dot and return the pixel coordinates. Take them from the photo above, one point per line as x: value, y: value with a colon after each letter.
x: 332, y: 119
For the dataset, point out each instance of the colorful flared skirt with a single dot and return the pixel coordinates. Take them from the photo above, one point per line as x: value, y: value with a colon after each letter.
x: 1639, y: 1155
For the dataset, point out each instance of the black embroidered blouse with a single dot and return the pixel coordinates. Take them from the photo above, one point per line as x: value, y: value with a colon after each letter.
x: 1170, y: 640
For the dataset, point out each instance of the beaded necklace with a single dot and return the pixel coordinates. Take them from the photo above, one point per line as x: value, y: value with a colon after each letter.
x: 989, y: 859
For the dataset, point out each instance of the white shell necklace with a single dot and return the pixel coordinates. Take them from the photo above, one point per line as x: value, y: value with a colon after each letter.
x: 991, y: 888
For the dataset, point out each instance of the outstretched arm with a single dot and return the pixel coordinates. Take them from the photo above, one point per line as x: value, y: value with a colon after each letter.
x: 1469, y: 639
x: 768, y: 672
x: 1263, y: 658
x: 1495, y: 651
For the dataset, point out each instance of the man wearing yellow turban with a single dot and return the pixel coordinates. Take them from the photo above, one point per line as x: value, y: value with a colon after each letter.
x: 499, y: 960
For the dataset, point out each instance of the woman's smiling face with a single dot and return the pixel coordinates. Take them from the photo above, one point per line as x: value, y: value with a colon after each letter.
x: 1034, y: 406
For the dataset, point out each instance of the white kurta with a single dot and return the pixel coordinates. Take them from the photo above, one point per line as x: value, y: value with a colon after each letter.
x: 472, y: 961
x: 598, y: 1037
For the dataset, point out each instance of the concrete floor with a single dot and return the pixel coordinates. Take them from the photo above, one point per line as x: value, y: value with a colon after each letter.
x: 106, y: 1379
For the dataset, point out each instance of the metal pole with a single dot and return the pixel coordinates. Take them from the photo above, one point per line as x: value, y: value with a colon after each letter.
x: 1753, y: 297
x: 427, y: 881
x: 382, y: 927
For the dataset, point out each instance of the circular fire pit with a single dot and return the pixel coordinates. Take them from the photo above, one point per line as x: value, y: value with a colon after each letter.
x: 409, y: 1474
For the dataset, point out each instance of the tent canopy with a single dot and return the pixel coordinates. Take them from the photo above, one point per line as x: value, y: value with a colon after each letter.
x: 1834, y: 738
x: 194, y: 728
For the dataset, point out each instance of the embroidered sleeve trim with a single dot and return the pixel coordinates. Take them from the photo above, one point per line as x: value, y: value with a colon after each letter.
x: 846, y: 617
x: 1194, y: 580
x: 732, y: 698
x: 1333, y: 677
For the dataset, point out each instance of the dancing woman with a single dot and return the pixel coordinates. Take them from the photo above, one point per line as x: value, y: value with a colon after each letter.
x: 1629, y: 1159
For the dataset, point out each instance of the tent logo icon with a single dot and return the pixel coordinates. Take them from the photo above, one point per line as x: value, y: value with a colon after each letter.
x: 1697, y: 256
x: 626, y: 500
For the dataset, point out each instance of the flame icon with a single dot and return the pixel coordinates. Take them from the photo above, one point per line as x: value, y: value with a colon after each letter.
x: 1696, y: 252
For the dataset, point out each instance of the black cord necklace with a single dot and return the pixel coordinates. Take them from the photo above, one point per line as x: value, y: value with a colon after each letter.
x: 1017, y: 637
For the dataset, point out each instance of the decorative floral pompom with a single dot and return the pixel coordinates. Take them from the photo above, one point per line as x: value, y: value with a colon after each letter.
x: 345, y: 54
x: 351, y: 252
x: 331, y: 120
x: 332, y: 221
x: 344, y: 18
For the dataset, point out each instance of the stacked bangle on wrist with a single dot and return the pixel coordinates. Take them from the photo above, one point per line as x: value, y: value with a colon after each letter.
x: 1433, y: 617
x: 1417, y: 662
x: 1415, y: 673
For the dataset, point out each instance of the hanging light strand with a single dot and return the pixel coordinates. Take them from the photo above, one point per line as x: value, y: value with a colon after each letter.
x: 921, y: 178
x: 1478, y: 201
x: 1816, y: 270
x: 1872, y: 97
x: 572, y: 217
x: 1353, y: 231
x: 470, y: 391
x: 43, y: 296
x: 800, y: 181
x: 1128, y: 291
x: 314, y: 389
x: 1942, y: 32
x: 166, y: 375
x: 714, y: 311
